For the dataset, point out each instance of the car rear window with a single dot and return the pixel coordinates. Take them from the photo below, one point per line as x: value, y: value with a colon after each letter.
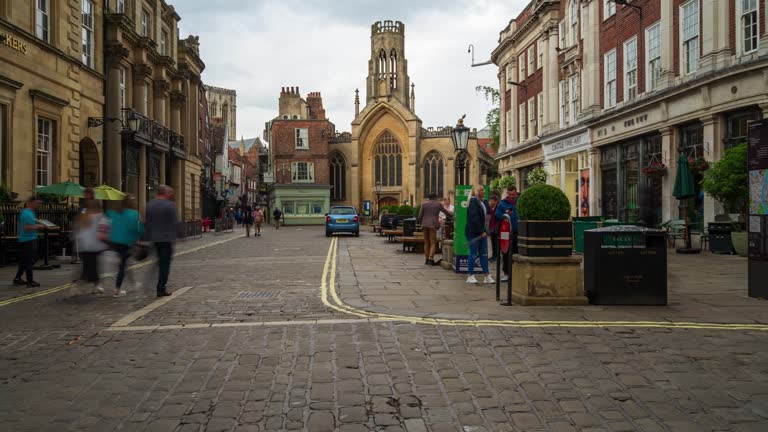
x: 342, y: 211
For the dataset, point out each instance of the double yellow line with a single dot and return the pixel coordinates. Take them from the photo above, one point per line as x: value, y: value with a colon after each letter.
x: 330, y: 298
x: 105, y: 275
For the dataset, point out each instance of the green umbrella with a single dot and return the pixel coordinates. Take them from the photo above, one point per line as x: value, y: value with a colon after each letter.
x: 67, y: 188
x: 683, y: 180
x: 684, y: 189
x: 107, y: 193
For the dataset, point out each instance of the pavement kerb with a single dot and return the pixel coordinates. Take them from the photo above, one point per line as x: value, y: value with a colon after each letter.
x: 330, y: 297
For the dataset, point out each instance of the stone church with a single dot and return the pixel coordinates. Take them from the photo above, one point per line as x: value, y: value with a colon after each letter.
x: 388, y: 143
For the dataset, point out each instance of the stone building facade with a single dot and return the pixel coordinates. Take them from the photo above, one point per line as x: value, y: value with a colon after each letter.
x: 299, y: 155
x: 153, y: 78
x: 388, y: 144
x: 633, y: 90
x: 51, y: 83
x: 222, y: 103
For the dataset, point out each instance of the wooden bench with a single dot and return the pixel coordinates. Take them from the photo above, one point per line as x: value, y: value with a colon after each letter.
x: 392, y: 235
x: 376, y: 228
x: 413, y: 244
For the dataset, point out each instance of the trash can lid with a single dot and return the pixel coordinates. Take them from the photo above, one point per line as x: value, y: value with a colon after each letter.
x: 615, y: 229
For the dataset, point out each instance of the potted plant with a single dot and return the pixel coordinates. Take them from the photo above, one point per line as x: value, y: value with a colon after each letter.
x: 537, y: 176
x: 499, y: 186
x: 545, y: 228
x: 655, y: 169
x: 727, y: 181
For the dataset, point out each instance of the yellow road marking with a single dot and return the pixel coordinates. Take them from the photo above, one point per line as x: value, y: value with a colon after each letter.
x: 133, y: 267
x: 329, y: 284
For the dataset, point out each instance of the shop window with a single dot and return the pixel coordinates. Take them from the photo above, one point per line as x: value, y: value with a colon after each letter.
x: 630, y: 167
x: 289, y: 207
x: 317, y: 208
x: 609, y: 182
x: 555, y: 175
x: 692, y: 145
x: 736, y: 125
x: 650, y: 195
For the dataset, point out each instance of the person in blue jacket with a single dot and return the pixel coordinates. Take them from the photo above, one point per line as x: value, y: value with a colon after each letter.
x: 509, y: 206
x: 126, y: 230
x: 476, y: 231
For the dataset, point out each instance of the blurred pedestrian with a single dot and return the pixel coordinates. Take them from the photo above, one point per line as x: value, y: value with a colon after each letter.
x: 277, y: 214
x: 476, y: 232
x: 248, y: 220
x: 258, y: 219
x: 508, y: 206
x: 28, y: 228
x: 429, y: 218
x: 92, y: 234
x: 493, y: 202
x: 161, y: 231
x: 126, y: 230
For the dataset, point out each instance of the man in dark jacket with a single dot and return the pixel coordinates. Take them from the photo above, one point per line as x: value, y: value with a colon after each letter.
x: 160, y: 229
x: 508, y: 206
x: 429, y: 218
x: 476, y: 232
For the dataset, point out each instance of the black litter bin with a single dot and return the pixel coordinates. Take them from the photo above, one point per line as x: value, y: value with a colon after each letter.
x: 720, y: 237
x: 409, y: 227
x: 625, y: 265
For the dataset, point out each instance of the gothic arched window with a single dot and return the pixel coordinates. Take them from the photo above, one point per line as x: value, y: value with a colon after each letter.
x: 382, y: 64
x: 388, y: 160
x: 213, y: 109
x: 462, y: 176
x: 434, y: 168
x: 338, y: 176
x: 393, y: 69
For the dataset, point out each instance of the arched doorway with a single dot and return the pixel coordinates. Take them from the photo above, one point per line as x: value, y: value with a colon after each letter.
x: 387, y: 201
x: 89, y: 163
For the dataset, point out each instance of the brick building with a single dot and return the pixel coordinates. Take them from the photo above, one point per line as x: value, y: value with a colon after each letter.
x: 635, y: 86
x: 298, y: 139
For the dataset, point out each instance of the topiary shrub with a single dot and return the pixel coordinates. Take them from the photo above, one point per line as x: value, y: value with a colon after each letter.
x: 543, y: 203
x: 405, y: 210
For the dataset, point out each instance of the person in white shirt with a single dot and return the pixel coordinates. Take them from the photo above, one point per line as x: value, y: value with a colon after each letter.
x: 447, y: 205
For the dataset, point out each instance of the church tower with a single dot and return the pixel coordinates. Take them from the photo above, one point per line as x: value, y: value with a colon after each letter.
x: 388, y: 68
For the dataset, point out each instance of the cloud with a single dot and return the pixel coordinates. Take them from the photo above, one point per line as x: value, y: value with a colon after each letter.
x: 257, y: 47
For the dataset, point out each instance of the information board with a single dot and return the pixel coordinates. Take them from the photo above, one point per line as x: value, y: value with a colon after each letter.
x: 460, y: 244
x: 758, y: 209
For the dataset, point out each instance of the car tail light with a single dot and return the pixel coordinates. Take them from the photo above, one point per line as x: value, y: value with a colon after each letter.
x: 356, y: 219
x: 328, y: 219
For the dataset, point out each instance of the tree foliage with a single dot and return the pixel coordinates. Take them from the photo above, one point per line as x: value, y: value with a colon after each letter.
x: 492, y: 118
x: 727, y: 181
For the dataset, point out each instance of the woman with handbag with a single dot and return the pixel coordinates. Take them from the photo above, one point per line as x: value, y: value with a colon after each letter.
x: 92, y: 233
x: 126, y: 231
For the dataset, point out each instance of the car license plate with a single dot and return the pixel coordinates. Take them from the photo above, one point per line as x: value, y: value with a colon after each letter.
x: 342, y: 220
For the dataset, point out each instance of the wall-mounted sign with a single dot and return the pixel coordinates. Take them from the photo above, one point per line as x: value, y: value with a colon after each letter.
x: 13, y: 42
x: 567, y: 145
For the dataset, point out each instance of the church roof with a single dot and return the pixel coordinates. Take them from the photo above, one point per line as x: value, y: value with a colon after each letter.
x: 249, y: 142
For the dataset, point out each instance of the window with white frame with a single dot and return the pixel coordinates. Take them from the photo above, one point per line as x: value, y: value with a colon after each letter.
x: 749, y: 25
x: 540, y: 53
x: 510, y: 71
x: 302, y: 139
x: 561, y: 41
x: 122, y: 88
x: 574, y: 98
x: 44, y: 151
x: 302, y: 172
x: 521, y: 122
x: 653, y: 56
x: 540, y: 107
x: 87, y: 32
x: 562, y: 95
x: 609, y: 9
x: 532, y: 127
x: 510, y: 122
x: 609, y: 75
x: 145, y: 101
x: 43, y: 19
x: 531, y: 59
x: 630, y: 69
x: 144, y: 23
x: 120, y: 6
x: 690, y: 36
x: 521, y: 67
x: 573, y: 20
x: 164, y: 43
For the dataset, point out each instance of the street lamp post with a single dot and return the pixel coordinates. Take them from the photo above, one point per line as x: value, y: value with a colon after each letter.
x: 460, y: 137
x: 378, y: 197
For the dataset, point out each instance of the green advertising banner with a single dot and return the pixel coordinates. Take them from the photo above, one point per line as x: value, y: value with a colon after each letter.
x: 460, y: 245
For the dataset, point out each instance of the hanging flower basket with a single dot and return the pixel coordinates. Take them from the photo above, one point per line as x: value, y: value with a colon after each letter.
x: 655, y: 170
x: 698, y: 164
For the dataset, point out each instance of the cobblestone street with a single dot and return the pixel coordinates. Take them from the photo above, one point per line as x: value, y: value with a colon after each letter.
x: 292, y: 331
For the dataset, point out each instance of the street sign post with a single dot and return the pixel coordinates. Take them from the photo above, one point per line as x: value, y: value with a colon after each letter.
x: 505, y: 244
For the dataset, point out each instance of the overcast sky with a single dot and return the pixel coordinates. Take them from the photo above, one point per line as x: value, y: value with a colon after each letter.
x: 258, y: 46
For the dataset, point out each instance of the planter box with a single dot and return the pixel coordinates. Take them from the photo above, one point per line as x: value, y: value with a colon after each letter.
x: 545, y: 238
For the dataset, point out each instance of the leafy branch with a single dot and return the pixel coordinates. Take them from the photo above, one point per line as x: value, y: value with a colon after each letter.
x: 492, y: 118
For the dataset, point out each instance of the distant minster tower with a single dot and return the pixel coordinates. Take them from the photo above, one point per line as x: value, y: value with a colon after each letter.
x: 388, y: 68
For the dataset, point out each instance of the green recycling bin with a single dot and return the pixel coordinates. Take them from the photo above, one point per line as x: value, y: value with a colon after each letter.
x: 581, y: 224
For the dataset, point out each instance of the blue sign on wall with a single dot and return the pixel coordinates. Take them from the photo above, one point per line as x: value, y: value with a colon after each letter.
x: 366, y: 208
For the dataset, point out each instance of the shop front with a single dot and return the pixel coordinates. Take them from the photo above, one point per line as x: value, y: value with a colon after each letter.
x: 631, y: 175
x: 302, y: 204
x: 522, y: 162
x: 568, y: 164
